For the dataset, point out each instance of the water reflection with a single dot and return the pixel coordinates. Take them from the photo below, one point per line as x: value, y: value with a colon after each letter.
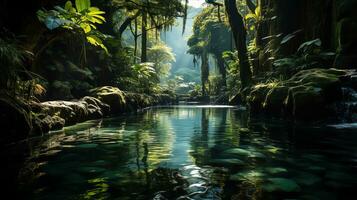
x: 191, y: 153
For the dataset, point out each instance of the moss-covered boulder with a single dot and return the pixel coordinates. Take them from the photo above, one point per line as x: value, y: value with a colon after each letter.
x: 137, y: 101
x: 312, y: 91
x: 112, y: 96
x: 53, y: 115
x: 257, y: 97
x: 71, y: 111
x: 305, y: 102
x: 275, y: 100
x: 45, y: 123
x: 326, y: 80
x: 165, y: 99
x: 307, y: 95
x: 96, y: 108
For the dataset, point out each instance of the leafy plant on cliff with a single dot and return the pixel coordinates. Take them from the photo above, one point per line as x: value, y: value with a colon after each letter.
x: 308, y: 55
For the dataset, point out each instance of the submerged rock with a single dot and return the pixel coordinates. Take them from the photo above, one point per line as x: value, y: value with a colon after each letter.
x: 275, y: 170
x: 250, y: 175
x: 237, y: 151
x: 307, y: 179
x: 227, y: 162
x: 281, y: 185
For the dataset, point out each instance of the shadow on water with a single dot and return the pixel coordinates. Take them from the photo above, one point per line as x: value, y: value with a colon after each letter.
x: 192, y: 152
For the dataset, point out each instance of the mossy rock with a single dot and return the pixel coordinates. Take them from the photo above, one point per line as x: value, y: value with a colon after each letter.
x: 257, y: 97
x: 305, y: 102
x: 306, y: 95
x: 50, y: 123
x: 71, y: 111
x: 112, y: 96
x: 312, y: 90
x: 322, y: 78
x: 274, y: 101
x: 96, y: 108
x: 138, y: 101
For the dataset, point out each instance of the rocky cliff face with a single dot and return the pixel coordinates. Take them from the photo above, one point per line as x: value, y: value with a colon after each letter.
x: 333, y: 21
x: 346, y: 31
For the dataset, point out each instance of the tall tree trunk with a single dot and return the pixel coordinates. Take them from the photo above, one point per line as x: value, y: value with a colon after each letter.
x: 204, y: 72
x: 239, y: 32
x: 144, y: 37
x: 222, y: 69
x: 127, y: 23
x: 135, y: 39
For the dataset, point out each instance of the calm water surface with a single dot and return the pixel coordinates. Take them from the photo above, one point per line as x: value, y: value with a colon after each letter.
x: 189, y: 152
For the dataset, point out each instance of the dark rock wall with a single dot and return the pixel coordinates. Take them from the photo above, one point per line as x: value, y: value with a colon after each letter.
x: 333, y: 21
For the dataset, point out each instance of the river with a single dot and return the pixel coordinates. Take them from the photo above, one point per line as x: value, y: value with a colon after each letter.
x: 186, y: 152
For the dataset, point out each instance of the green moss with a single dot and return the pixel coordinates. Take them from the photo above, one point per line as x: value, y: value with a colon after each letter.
x: 274, y: 100
x: 112, y: 96
x: 257, y: 97
x: 304, y: 96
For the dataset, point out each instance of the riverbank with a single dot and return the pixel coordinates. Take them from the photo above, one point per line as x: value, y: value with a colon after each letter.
x: 309, y: 95
x: 23, y: 119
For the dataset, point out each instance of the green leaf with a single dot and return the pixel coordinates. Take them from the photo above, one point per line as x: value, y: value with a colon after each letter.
x: 250, y: 15
x: 258, y: 11
x: 94, y: 20
x: 105, y: 48
x: 287, y: 38
x: 309, y: 44
x: 52, y: 22
x: 86, y: 27
x: 68, y: 6
x: 92, y: 39
x: 95, y: 11
x: 82, y: 5
x: 99, y: 17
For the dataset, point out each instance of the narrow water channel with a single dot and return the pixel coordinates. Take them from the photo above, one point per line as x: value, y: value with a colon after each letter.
x: 189, y: 152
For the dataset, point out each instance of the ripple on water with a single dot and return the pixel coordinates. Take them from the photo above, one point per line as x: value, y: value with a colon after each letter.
x: 195, y: 152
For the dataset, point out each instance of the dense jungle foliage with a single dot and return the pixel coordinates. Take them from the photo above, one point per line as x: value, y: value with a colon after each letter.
x: 178, y: 99
x: 252, y: 52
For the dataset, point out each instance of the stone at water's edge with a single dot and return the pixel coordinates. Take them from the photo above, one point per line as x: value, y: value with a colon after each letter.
x: 120, y: 101
x: 274, y: 100
x: 112, y: 96
x: 54, y: 115
x: 308, y: 95
x: 33, y: 118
